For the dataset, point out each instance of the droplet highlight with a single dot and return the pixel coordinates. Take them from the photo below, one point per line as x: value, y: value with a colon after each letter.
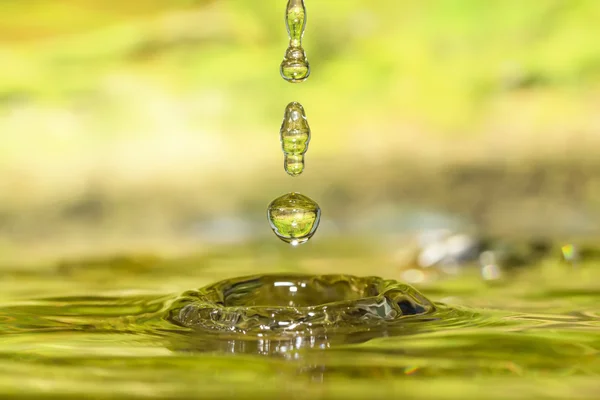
x: 294, y: 218
x: 295, y: 67
x: 295, y: 137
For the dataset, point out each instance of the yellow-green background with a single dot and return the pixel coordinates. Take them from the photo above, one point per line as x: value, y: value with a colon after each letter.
x: 153, y: 125
x: 139, y: 148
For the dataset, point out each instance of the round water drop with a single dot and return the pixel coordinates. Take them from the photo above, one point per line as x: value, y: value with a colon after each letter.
x: 295, y: 137
x: 294, y: 218
x: 295, y: 67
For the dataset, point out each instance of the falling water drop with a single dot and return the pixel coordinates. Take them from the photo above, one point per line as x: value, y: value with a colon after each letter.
x: 295, y: 67
x: 294, y: 218
x: 295, y: 137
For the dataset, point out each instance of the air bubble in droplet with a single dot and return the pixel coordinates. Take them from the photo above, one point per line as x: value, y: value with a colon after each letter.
x: 295, y: 137
x: 294, y: 218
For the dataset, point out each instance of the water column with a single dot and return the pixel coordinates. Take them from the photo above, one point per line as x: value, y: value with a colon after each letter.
x: 294, y: 217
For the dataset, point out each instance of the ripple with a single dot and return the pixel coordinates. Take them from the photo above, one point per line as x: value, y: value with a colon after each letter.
x: 298, y: 304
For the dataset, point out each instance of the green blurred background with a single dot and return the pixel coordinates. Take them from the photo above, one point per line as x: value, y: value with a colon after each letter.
x: 153, y: 126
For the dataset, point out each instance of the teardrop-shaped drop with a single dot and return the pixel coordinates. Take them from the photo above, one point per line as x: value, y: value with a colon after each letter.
x: 294, y: 218
x: 295, y: 67
x: 295, y: 137
x: 295, y: 19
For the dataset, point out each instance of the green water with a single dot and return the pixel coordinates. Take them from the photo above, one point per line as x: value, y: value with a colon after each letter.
x: 101, y: 329
x: 295, y: 67
x: 299, y: 308
x: 294, y: 137
x: 294, y: 217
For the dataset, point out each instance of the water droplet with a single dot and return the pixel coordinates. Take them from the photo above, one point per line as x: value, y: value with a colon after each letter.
x: 294, y: 218
x: 295, y: 137
x: 295, y: 67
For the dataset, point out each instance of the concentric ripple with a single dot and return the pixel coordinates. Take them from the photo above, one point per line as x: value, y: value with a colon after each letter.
x: 298, y: 304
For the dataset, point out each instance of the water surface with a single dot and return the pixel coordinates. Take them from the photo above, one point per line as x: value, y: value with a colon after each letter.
x: 101, y: 330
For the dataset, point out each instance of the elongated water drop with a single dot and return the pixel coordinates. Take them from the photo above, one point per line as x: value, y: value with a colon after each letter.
x: 294, y: 218
x: 295, y: 67
x: 295, y: 18
x: 295, y: 137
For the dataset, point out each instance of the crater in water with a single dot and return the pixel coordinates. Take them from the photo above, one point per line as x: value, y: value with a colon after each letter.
x: 298, y: 304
